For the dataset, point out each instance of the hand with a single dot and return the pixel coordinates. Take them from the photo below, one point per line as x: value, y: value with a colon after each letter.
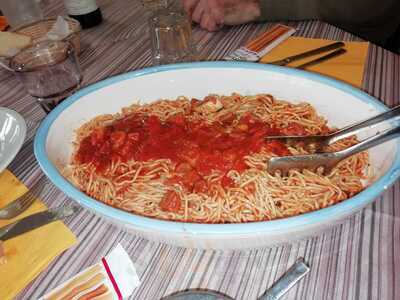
x: 212, y: 14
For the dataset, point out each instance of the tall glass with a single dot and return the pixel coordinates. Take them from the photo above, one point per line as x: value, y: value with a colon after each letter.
x: 171, y: 38
x: 49, y: 71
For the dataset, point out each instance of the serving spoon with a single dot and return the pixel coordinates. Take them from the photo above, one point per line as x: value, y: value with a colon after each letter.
x: 275, y: 292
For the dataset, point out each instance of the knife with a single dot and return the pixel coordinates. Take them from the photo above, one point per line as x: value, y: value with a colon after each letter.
x: 287, y: 60
x: 35, y: 221
x: 322, y: 58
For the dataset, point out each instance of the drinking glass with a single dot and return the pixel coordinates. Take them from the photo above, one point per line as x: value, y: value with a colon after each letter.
x: 49, y: 71
x: 171, y: 38
x: 21, y: 12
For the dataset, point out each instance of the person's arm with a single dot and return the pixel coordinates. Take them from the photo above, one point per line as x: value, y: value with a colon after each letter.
x: 368, y: 19
x: 241, y: 11
x: 289, y: 10
x: 372, y: 20
x: 211, y: 14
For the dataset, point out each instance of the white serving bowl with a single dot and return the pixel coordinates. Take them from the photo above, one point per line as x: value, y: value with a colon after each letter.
x: 340, y: 103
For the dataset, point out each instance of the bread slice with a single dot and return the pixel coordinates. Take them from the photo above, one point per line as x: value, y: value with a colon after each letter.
x: 11, y: 43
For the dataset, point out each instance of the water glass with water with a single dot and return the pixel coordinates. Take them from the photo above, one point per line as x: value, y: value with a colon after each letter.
x: 171, y: 38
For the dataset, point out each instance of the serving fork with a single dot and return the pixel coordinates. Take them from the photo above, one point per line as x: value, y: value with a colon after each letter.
x: 328, y: 160
x: 22, y: 203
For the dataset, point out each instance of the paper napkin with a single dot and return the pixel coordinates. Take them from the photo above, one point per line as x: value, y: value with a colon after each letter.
x: 28, y: 254
x: 348, y: 67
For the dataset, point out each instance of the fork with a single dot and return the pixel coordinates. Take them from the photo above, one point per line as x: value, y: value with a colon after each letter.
x: 19, y: 205
x: 318, y: 142
x: 285, y: 61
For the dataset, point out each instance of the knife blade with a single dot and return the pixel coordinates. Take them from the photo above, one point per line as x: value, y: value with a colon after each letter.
x: 287, y: 60
x: 322, y: 58
x: 35, y: 221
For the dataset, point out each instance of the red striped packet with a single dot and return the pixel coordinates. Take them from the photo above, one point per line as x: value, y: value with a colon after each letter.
x: 255, y: 49
x: 114, y: 277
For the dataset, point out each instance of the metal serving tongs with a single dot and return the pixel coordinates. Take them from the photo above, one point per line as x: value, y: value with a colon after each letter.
x: 317, y: 143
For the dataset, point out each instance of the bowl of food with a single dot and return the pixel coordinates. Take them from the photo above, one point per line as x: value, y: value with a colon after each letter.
x: 64, y: 28
x: 184, y: 163
x: 60, y: 28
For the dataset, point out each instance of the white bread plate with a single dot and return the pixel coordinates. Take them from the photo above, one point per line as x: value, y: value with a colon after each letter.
x: 12, y: 135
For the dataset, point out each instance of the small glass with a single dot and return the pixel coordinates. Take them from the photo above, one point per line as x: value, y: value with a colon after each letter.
x: 171, y: 38
x: 49, y: 71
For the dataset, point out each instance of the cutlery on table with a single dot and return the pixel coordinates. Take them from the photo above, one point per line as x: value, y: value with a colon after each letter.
x: 287, y: 281
x: 35, y: 221
x: 328, y: 160
x: 322, y: 58
x: 327, y: 48
x: 275, y: 292
x: 22, y: 203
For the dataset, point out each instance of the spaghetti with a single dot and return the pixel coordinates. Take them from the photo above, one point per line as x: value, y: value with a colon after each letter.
x: 205, y: 161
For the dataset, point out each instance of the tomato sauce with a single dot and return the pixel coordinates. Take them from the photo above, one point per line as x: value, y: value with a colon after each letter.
x: 195, y: 148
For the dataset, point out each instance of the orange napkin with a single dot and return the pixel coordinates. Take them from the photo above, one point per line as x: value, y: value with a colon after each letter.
x: 28, y: 254
x: 348, y: 67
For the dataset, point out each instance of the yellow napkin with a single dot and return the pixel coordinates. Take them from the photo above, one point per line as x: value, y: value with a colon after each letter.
x: 28, y: 254
x: 348, y: 67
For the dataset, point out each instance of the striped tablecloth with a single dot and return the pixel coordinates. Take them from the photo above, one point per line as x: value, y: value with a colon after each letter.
x: 357, y: 260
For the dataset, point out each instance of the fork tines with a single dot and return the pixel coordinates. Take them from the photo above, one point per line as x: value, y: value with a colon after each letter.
x: 22, y: 203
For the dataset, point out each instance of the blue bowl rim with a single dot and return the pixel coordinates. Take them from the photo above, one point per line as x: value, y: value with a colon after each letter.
x: 314, y: 218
